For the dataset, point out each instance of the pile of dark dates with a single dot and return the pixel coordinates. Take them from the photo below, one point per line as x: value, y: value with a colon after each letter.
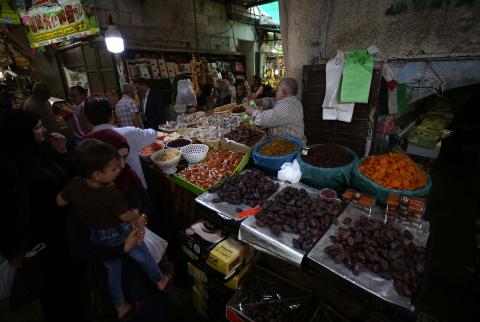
x: 251, y: 187
x: 328, y: 155
x: 383, y: 249
x: 269, y: 312
x: 245, y: 135
x: 295, y: 211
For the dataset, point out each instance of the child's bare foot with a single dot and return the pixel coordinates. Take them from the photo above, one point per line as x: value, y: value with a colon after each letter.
x: 164, y: 282
x: 123, y: 309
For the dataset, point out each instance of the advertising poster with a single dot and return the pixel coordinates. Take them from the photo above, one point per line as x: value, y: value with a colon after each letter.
x: 53, y: 21
x: 8, y: 13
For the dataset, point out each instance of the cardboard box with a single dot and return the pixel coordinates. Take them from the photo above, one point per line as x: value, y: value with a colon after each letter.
x: 228, y: 255
x: 201, y: 275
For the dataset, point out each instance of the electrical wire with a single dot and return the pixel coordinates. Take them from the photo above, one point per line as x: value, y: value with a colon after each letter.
x: 196, y: 27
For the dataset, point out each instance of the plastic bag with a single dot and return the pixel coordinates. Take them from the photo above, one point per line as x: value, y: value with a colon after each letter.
x: 264, y: 294
x: 357, y: 77
x: 332, y: 108
x: 185, y: 96
x: 365, y: 185
x: 290, y: 172
x: 7, y: 276
x: 334, y: 178
x: 155, y: 244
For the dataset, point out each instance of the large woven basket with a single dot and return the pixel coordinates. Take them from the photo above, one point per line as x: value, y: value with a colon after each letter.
x: 194, y: 153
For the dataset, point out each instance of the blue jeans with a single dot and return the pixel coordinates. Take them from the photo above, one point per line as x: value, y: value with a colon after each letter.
x: 113, y: 237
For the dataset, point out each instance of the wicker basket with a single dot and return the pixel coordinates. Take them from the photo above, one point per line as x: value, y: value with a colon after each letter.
x: 194, y: 153
x: 167, y: 165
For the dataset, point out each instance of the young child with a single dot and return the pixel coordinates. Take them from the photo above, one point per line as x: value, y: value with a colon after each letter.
x: 103, y: 209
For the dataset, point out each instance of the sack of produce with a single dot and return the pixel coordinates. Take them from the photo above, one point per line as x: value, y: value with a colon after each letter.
x: 327, y: 165
x: 424, y: 137
x: 391, y: 173
x: 270, y: 154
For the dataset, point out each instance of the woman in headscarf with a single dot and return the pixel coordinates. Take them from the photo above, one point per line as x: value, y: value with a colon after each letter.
x: 224, y: 93
x: 34, y: 169
x: 127, y: 181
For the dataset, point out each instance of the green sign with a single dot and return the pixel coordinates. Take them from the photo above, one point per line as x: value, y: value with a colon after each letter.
x: 53, y: 21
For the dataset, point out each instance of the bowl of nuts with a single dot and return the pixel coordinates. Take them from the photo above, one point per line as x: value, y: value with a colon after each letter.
x: 167, y: 160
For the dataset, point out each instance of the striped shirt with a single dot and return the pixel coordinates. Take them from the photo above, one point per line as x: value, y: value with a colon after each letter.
x: 284, y: 117
x: 125, y: 110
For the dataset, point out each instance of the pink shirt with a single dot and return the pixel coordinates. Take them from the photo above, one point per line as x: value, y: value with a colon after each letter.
x: 80, y: 125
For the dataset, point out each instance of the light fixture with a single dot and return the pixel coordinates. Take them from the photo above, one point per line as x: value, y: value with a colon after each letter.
x: 113, y: 38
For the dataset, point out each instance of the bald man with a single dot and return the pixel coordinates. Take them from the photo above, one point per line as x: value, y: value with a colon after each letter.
x: 283, y: 114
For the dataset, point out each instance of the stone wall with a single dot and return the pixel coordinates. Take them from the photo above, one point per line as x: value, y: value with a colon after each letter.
x: 315, y: 29
x: 171, y: 24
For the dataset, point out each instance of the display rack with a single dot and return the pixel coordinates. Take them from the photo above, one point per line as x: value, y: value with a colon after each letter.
x: 161, y: 68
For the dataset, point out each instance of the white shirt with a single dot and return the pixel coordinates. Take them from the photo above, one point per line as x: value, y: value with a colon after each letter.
x: 137, y: 139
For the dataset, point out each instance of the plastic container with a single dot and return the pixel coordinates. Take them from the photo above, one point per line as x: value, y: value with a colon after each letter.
x: 336, y: 178
x: 168, y: 166
x: 194, y: 153
x: 274, y: 164
x: 150, y: 149
x: 328, y: 194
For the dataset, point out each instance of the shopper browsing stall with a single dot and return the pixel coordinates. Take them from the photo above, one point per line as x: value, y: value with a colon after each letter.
x: 104, y: 210
x: 99, y: 112
x: 151, y: 106
x: 283, y: 114
x: 224, y: 93
x: 257, y: 87
x: 126, y: 109
x: 34, y: 168
x: 80, y: 125
x: 38, y: 103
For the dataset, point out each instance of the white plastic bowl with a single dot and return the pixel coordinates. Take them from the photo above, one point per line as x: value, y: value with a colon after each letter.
x: 194, y: 153
x: 167, y: 165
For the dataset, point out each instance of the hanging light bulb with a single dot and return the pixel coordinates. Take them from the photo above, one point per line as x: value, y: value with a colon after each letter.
x: 113, y: 38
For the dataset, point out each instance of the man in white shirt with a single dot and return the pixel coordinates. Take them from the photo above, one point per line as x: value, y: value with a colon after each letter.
x: 99, y: 112
x: 283, y: 114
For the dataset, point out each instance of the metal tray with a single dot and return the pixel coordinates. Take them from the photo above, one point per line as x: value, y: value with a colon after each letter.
x: 224, y: 209
x: 265, y: 241
x: 366, y: 280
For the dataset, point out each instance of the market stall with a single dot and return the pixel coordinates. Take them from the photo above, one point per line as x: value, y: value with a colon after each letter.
x: 358, y: 221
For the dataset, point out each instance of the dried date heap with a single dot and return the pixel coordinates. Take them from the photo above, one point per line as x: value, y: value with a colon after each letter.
x: 251, y: 187
x: 245, y: 135
x: 328, y: 155
x: 269, y: 312
x: 295, y: 211
x: 383, y: 250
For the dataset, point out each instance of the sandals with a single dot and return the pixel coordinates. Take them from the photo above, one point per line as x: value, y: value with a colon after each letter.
x: 168, y: 269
